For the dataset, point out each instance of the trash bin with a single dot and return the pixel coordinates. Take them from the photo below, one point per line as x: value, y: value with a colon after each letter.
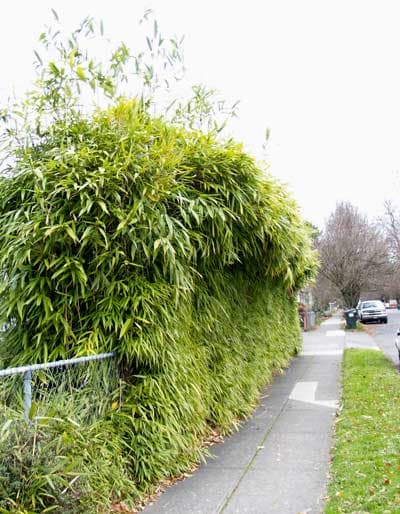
x: 310, y: 320
x: 351, y: 318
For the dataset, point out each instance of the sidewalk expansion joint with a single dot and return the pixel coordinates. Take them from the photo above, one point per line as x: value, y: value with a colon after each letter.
x: 259, y: 448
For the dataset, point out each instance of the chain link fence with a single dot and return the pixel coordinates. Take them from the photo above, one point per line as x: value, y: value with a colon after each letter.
x: 46, y: 389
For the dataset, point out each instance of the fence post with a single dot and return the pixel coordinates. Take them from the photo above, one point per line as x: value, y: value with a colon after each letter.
x: 27, y: 394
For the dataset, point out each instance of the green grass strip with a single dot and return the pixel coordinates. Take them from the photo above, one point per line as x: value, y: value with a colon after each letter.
x: 359, y: 327
x: 365, y: 471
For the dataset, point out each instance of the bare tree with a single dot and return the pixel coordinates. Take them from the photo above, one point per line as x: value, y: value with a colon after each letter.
x: 391, y: 226
x: 391, y: 222
x: 324, y: 292
x: 353, y: 253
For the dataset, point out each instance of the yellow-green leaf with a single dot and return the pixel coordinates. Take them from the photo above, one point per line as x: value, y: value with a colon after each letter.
x: 80, y: 72
x: 125, y: 327
x: 33, y: 410
x: 72, y: 57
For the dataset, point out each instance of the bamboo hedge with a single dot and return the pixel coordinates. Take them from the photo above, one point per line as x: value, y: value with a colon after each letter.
x: 121, y: 232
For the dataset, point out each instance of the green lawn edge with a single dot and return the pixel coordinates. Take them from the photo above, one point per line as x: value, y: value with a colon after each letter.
x: 365, y: 468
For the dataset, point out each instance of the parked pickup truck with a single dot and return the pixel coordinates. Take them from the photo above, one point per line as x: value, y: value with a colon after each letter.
x: 372, y: 310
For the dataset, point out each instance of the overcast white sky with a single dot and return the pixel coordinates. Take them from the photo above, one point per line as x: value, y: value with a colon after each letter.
x: 324, y: 76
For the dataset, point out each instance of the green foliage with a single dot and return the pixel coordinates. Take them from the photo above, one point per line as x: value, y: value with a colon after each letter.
x: 72, y: 79
x: 71, y: 458
x: 109, y: 224
x: 365, y: 474
x: 221, y: 349
x: 228, y: 344
x: 122, y: 232
x: 62, y: 465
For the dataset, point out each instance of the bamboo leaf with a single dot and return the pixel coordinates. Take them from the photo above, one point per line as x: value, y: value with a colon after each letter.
x: 125, y: 327
x: 38, y: 57
x: 81, y: 73
x: 71, y: 58
x: 33, y: 411
x: 55, y: 15
x: 71, y: 232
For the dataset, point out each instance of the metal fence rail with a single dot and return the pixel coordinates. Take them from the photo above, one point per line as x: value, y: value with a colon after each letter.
x: 26, y: 371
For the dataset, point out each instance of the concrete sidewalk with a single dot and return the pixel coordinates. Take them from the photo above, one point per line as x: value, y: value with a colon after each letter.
x: 278, y: 462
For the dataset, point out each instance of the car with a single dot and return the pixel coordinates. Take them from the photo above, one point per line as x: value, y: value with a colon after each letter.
x: 372, y: 310
x: 392, y: 304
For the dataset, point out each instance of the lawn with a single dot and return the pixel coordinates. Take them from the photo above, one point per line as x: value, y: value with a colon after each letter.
x: 365, y: 471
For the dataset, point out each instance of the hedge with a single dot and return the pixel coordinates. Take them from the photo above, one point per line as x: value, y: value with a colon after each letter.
x: 119, y: 232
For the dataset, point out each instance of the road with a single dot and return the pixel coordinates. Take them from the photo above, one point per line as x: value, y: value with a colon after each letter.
x: 384, y: 335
